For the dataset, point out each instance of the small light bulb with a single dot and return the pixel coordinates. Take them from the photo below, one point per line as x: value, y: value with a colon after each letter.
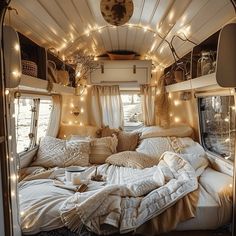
x: 13, y: 177
x: 231, y: 186
x: 226, y: 119
x: 13, y: 194
x: 22, y: 213
x: 82, y: 99
x: 72, y: 105
x: 177, y: 119
x: 170, y: 95
x: 227, y: 140
x: 10, y: 137
x: 176, y: 102
x: 81, y: 124
x: 82, y: 110
x: 171, y: 114
x: 17, y: 47
x: 7, y: 92
x: 70, y: 123
x: 64, y: 136
x: 15, y: 73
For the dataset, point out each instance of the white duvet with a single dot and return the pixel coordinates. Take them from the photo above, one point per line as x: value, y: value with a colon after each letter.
x: 130, y: 198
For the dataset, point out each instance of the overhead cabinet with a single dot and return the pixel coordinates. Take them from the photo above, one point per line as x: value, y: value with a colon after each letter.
x: 211, y: 64
x: 116, y: 72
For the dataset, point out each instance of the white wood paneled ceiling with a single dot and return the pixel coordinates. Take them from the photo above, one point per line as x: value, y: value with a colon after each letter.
x: 69, y: 25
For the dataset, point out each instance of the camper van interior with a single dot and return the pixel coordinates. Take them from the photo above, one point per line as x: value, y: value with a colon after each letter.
x: 117, y: 117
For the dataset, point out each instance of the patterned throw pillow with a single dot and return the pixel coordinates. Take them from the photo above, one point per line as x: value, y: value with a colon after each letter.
x: 55, y: 152
x: 132, y: 159
x: 101, y: 148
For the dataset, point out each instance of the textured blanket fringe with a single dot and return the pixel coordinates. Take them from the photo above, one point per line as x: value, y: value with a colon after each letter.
x: 72, y: 220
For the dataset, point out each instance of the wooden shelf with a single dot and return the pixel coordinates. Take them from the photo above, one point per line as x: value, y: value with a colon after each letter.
x: 205, y: 81
x: 29, y: 83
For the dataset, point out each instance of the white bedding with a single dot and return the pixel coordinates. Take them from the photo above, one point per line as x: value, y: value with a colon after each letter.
x: 45, y: 207
x: 210, y: 214
x: 92, y: 206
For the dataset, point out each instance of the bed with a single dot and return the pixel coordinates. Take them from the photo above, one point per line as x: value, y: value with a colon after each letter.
x: 46, y: 207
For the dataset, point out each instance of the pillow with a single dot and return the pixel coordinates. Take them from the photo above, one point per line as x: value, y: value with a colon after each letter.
x: 127, y: 141
x: 157, y: 146
x: 181, y: 130
x: 154, y: 147
x: 106, y: 132
x: 217, y: 184
x: 132, y: 159
x: 101, y: 148
x: 55, y: 152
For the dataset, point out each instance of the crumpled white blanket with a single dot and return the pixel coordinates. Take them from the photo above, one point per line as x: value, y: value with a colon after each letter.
x: 125, y: 205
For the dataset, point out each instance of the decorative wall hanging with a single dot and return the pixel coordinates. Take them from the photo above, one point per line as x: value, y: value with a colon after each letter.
x: 117, y: 12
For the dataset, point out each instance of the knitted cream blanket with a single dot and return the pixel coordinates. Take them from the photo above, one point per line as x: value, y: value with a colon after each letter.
x: 131, y: 197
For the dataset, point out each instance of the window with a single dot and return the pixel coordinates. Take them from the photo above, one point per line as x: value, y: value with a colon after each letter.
x: 132, y: 111
x: 217, y: 121
x: 31, y: 121
x: 45, y: 108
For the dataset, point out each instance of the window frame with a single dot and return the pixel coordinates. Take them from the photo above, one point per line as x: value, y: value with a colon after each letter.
x: 204, y: 95
x: 34, y: 120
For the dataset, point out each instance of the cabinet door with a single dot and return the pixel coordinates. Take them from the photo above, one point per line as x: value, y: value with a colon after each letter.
x: 226, y: 59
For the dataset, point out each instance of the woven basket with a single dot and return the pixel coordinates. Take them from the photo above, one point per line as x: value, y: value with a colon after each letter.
x: 29, y: 68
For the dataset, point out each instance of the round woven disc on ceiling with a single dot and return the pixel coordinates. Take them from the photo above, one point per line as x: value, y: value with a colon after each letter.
x: 117, y: 12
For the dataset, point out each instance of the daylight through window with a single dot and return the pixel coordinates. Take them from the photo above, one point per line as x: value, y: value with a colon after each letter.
x: 132, y: 111
x: 31, y: 119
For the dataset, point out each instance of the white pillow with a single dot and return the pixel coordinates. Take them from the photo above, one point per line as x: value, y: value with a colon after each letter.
x: 217, y: 184
x: 154, y: 147
x: 180, y: 130
x: 101, y: 148
x: 55, y: 152
x: 157, y: 146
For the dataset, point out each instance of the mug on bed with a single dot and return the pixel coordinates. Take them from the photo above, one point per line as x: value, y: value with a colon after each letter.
x: 78, y: 178
x: 72, y: 170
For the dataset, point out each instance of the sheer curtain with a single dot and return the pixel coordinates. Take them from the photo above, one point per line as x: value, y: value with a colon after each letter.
x: 106, y: 106
x: 148, y: 104
x: 155, y: 104
x: 55, y: 117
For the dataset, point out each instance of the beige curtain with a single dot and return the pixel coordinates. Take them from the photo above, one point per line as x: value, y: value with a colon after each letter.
x: 162, y: 105
x: 106, y: 106
x: 148, y: 103
x: 55, y: 117
x: 155, y: 104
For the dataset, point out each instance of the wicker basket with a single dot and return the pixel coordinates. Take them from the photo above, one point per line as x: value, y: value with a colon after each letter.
x: 29, y: 68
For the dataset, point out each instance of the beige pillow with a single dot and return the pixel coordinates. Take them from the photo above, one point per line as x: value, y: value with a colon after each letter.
x: 127, y: 141
x: 132, y: 159
x: 55, y: 152
x: 101, y: 148
x: 107, y: 132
